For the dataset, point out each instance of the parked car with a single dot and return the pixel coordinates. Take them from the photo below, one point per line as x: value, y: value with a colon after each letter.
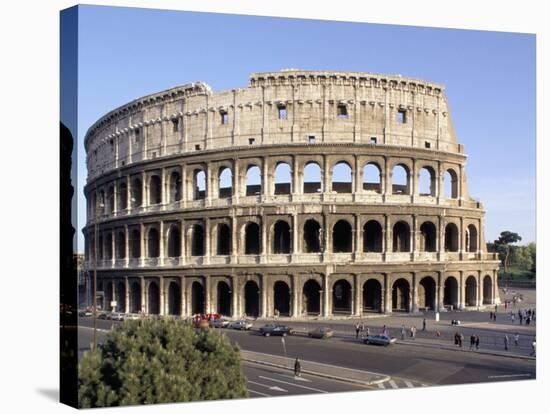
x: 242, y: 324
x: 85, y: 312
x: 102, y: 315
x: 275, y: 329
x: 117, y: 316
x: 379, y: 340
x: 219, y: 323
x: 131, y: 316
x: 321, y: 333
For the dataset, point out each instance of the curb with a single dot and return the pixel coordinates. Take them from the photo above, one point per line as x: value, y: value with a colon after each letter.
x: 319, y: 374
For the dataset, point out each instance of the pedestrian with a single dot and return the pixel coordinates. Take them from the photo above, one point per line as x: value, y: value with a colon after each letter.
x: 384, y: 330
x: 297, y: 368
x: 424, y: 324
x: 533, y: 316
x: 413, y: 332
x: 456, y: 338
x: 506, y: 342
x: 357, y: 328
x: 402, y: 332
x: 472, y: 341
x: 477, y: 342
x: 367, y: 331
x: 496, y: 308
x: 495, y: 316
x: 362, y: 329
x: 491, y: 315
x: 520, y: 318
x: 513, y: 317
x: 516, y: 339
x: 533, y: 349
x: 460, y: 340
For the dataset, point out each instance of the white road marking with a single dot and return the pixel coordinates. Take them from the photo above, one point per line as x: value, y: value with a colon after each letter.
x: 260, y: 393
x: 92, y: 328
x: 294, y: 385
x: 409, y: 384
x: 393, y: 384
x: 272, y: 388
x: 509, y: 376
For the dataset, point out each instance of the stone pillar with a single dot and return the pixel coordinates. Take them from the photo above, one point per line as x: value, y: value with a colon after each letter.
x: 388, y: 245
x: 414, y: 294
x: 143, y: 296
x: 358, y: 301
x: 263, y: 291
x: 141, y: 244
x: 236, y: 181
x: 114, y: 201
x: 296, y: 296
x: 234, y: 238
x: 113, y: 246
x: 162, y: 293
x: 209, y: 195
x: 357, y: 176
x: 183, y: 240
x: 161, y: 243
x: 207, y: 240
x: 326, y: 175
x: 440, y: 292
x: 295, y: 185
x: 357, y: 242
x: 126, y: 295
x: 325, y: 298
x: 264, y: 239
x: 479, y: 295
x: 387, y: 292
x: 235, y: 313
x: 414, y: 236
x: 183, y: 301
x: 461, y: 291
x: 144, y: 190
x: 326, y: 228
x: 266, y: 181
x: 126, y: 246
x: 295, y: 233
x: 440, y: 239
x: 207, y: 295
x: 163, y: 187
x: 114, y: 295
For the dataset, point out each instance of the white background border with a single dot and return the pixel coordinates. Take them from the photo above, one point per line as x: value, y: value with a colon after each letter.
x: 29, y: 159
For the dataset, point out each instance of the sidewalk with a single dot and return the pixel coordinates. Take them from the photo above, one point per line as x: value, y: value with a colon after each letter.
x: 316, y: 368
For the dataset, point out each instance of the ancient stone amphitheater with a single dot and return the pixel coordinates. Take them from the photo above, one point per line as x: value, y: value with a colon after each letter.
x: 305, y: 194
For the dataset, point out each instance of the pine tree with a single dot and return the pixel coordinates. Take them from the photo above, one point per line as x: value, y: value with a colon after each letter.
x: 160, y: 361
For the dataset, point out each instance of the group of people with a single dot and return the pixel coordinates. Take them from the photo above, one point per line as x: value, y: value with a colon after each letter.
x: 527, y: 315
x: 361, y: 329
x: 412, y: 332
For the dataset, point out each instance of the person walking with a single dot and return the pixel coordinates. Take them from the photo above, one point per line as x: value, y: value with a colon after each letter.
x: 491, y: 315
x: 520, y: 315
x: 297, y: 368
x: 456, y: 338
x: 477, y: 342
x: 460, y: 340
x: 384, y: 330
x: 513, y: 317
x: 362, y: 329
x: 516, y: 339
x: 533, y: 349
x: 472, y: 341
x: 367, y: 331
x: 402, y: 332
x: 506, y: 340
x: 357, y: 328
x: 424, y: 324
x: 413, y: 332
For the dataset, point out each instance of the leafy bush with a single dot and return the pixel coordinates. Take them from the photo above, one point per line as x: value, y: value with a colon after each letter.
x: 160, y: 361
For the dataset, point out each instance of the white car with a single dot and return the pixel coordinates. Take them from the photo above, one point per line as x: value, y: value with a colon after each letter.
x: 219, y: 323
x: 241, y: 325
x: 131, y: 316
x: 117, y: 316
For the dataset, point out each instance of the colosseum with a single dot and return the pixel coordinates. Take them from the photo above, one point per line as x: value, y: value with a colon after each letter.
x: 306, y: 194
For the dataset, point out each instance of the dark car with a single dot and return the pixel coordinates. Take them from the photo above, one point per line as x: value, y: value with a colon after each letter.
x: 275, y: 329
x: 379, y: 340
x: 321, y: 333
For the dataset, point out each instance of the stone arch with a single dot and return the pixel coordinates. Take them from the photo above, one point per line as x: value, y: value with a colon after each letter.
x: 450, y: 292
x: 427, y: 295
x: 342, y: 177
x: 110, y: 205
x: 153, y: 298
x: 342, y: 297
x: 281, y: 237
x: 401, y: 237
x: 108, y: 294
x: 135, y: 244
x: 135, y: 297
x: 471, y: 291
x: 251, y: 299
x: 109, y: 245
x: 451, y: 238
x: 121, y: 296
x: 311, y: 297
x: 153, y: 243
x: 428, y: 237
x: 342, y: 234
x: 198, y: 299
x: 252, y: 243
x: 450, y: 183
x: 312, y: 236
x: 223, y: 298
x: 281, y: 298
x: 253, y: 180
x: 372, y: 296
x: 401, y: 295
x: 175, y: 187
x: 120, y: 245
x: 197, y: 240
x: 372, y: 177
x: 122, y: 196
x: 155, y: 189
x: 225, y: 182
x: 313, y: 178
x: 174, y: 241
x: 199, y: 184
x: 283, y: 178
x: 136, y: 193
x: 174, y: 298
x: 487, y: 290
x: 401, y: 178
x: 471, y: 239
x: 223, y: 240
x: 427, y: 181
x: 372, y: 237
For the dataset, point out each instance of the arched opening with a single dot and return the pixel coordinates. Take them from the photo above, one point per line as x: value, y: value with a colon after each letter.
x: 155, y: 190
x: 252, y: 239
x: 224, y: 299
x: 342, y: 178
x: 223, y: 247
x: 450, y: 184
x: 253, y: 180
x: 135, y: 244
x: 401, y: 237
x: 153, y: 243
x: 199, y: 184
x: 341, y: 297
x: 120, y: 245
x: 312, y: 178
x: 122, y: 196
x: 471, y: 291
x: 371, y: 178
x: 426, y: 293
x: 108, y: 294
x: 312, y: 236
x: 175, y: 187
x: 251, y: 299
x: 225, y: 183
x: 341, y: 237
x: 400, y: 179
x: 197, y: 240
x: 471, y: 239
x: 283, y: 179
x: 281, y: 298
x: 400, y: 296
x: 110, y: 200
x: 109, y: 246
x: 426, y: 182
x: 197, y: 298
x: 153, y: 299
x: 174, y: 242
x: 281, y: 237
x: 100, y: 247
x: 451, y: 238
x: 174, y: 298
x: 311, y: 297
x: 450, y: 292
x: 101, y: 203
x: 428, y: 237
x: 135, y: 297
x: 372, y: 237
x: 372, y: 296
x: 487, y: 290
x: 136, y: 193
x: 121, y: 297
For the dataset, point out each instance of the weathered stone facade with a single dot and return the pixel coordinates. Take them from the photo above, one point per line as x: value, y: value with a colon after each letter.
x: 173, y: 237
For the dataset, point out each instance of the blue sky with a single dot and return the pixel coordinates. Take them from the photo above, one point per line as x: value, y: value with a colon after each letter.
x: 489, y: 77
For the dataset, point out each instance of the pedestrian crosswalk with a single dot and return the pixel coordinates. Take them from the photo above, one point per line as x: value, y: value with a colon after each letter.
x: 396, y: 383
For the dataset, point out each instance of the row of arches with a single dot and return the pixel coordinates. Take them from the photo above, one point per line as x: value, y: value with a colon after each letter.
x: 312, y: 239
x: 311, y: 297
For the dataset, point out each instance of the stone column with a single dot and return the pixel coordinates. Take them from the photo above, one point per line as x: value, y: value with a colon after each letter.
x: 141, y: 244
x: 114, y: 201
x: 183, y: 301
x: 325, y: 297
x: 295, y: 233
x: 357, y: 242
x: 387, y: 293
x: 207, y: 295
x: 127, y: 295
x: 414, y: 295
x: 162, y: 302
x: 388, y: 245
x: 209, y: 193
x: 327, y: 232
x: 479, y: 295
x: 207, y: 240
x: 295, y: 177
x: 163, y: 187
x: 236, y: 181
x: 184, y: 188
x: 126, y: 246
x: 440, y: 292
x: 113, y: 246
x: 143, y: 296
x: 295, y: 295
x: 128, y: 193
x: 440, y: 239
x: 326, y: 175
x: 234, y: 238
x: 461, y: 291
x: 235, y: 313
x: 358, y: 305
x: 357, y: 176
x: 414, y: 236
x: 161, y: 243
x: 266, y: 181
x: 263, y: 311
x: 264, y: 239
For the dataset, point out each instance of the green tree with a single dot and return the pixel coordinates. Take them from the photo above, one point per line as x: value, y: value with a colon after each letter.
x: 160, y: 361
x: 503, y: 246
x: 532, y: 251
